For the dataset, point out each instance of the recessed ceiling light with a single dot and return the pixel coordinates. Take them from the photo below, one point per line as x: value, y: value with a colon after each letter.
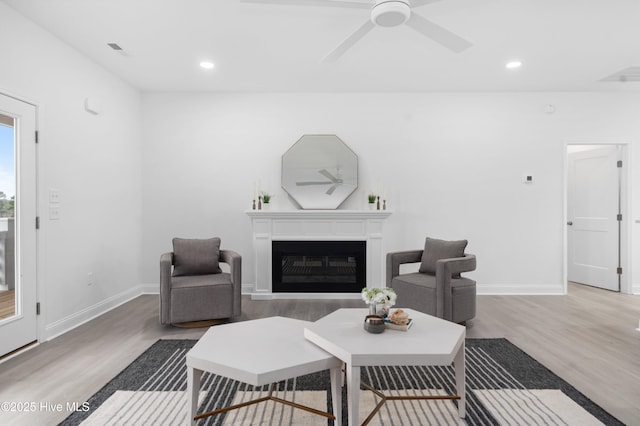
x: 513, y: 64
x: 207, y: 65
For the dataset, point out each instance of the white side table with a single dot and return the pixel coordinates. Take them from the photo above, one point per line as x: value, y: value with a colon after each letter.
x: 429, y: 341
x: 260, y: 352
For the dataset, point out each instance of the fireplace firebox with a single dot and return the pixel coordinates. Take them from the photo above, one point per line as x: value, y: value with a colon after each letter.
x: 318, y: 266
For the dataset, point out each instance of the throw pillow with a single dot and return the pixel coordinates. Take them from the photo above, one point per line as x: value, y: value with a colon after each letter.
x: 196, y: 257
x: 435, y: 250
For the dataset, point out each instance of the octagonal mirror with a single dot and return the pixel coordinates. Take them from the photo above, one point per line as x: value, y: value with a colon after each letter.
x: 319, y: 172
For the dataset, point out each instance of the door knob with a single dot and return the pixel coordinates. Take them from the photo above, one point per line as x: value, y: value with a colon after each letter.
x: 569, y: 223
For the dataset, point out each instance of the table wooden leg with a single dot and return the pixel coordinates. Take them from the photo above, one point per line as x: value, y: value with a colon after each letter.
x: 353, y: 394
x: 336, y: 394
x: 459, y: 364
x: 193, y: 391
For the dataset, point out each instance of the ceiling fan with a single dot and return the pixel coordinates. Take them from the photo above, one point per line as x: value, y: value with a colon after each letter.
x: 384, y: 13
x: 332, y: 180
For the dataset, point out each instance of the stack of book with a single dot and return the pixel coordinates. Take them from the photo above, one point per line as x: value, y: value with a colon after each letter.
x: 388, y: 324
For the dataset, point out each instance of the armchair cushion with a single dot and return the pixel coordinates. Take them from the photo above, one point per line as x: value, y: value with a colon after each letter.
x: 420, y: 292
x: 435, y: 250
x: 196, y: 256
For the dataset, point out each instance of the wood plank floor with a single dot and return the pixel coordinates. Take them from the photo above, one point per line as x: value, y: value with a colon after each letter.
x: 7, y: 303
x: 587, y: 337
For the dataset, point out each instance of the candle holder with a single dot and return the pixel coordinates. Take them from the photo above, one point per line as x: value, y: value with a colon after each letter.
x: 384, y: 204
x: 254, y: 204
x: 374, y: 324
x: 260, y: 202
x: 378, y: 204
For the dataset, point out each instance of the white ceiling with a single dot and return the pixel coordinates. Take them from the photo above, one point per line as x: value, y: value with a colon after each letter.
x: 565, y: 45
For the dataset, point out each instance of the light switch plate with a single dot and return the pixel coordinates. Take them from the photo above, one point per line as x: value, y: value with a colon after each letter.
x: 54, y: 212
x: 54, y: 196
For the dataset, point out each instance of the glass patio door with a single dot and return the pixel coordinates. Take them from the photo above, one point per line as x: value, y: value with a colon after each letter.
x: 18, y: 325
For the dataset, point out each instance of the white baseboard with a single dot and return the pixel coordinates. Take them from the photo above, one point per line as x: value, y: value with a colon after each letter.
x: 635, y: 289
x: 149, y: 288
x: 68, y: 323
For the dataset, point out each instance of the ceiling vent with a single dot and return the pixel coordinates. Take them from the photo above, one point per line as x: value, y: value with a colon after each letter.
x: 625, y: 75
x: 116, y: 48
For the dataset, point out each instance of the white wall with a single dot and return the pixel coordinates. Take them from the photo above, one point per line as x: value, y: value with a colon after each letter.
x: 452, y: 165
x: 95, y: 163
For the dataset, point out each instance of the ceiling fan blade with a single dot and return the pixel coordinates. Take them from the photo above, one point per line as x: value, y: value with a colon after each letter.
x: 312, y: 183
x: 328, y: 175
x: 349, y: 41
x: 330, y: 190
x: 438, y: 34
x: 418, y: 3
x: 321, y: 3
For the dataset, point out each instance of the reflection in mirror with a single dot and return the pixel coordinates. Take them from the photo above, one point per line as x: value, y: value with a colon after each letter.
x: 319, y: 172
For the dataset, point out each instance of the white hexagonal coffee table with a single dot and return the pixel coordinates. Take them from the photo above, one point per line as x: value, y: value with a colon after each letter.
x: 260, y: 352
x: 429, y: 341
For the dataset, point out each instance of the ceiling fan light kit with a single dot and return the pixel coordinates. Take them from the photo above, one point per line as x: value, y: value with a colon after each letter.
x: 390, y: 13
x: 384, y: 13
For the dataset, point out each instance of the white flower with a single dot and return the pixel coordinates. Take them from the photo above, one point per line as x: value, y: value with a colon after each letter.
x: 391, y: 299
x: 379, y: 296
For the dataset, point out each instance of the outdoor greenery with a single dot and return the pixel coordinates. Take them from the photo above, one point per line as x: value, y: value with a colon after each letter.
x: 6, y: 206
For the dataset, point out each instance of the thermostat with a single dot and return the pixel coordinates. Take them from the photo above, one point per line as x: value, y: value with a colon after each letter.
x: 527, y: 179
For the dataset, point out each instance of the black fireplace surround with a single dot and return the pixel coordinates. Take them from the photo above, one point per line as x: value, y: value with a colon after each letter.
x: 318, y: 266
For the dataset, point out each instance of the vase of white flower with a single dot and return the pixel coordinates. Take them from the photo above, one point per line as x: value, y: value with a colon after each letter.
x: 373, y: 309
x: 378, y: 296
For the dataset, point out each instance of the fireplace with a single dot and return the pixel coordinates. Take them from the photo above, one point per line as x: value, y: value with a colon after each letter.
x: 318, y: 266
x: 363, y: 227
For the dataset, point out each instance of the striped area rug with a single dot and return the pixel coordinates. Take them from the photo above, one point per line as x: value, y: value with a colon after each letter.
x: 504, y: 387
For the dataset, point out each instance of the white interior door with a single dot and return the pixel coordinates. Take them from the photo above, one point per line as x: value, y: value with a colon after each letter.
x: 592, y: 211
x: 18, y: 325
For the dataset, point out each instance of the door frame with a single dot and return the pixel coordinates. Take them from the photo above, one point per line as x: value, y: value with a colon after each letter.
x: 625, y: 192
x: 40, y: 323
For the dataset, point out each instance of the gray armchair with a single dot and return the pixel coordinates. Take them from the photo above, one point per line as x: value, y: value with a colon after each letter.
x: 192, y: 285
x: 437, y: 288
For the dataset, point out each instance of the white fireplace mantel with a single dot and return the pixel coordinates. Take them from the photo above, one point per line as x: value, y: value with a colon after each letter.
x: 316, y: 225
